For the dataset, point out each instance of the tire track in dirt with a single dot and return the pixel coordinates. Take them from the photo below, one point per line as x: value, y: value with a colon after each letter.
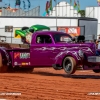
x: 55, y: 86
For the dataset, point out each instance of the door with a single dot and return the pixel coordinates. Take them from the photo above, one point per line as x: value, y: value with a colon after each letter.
x: 53, y: 52
x: 40, y: 51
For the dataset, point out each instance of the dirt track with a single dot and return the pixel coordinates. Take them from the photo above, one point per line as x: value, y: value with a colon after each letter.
x: 49, y: 84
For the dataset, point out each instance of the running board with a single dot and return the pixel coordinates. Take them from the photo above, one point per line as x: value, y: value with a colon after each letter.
x: 57, y: 67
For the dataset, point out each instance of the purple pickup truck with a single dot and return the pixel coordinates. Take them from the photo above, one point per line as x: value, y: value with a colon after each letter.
x: 52, y: 49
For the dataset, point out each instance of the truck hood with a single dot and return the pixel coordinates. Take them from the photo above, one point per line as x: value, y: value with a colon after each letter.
x: 86, y: 47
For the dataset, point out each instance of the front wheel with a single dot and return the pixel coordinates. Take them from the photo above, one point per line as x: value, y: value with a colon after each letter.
x: 96, y: 70
x: 69, y: 65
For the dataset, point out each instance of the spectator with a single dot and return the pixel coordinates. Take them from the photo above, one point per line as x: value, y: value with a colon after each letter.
x: 98, y: 42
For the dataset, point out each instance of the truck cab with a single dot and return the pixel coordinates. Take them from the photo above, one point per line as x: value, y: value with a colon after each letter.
x: 43, y: 48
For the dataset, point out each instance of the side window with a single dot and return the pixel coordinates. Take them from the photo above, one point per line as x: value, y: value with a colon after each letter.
x: 43, y: 39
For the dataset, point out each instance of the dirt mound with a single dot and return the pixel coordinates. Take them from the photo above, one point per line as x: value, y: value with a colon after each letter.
x: 49, y: 84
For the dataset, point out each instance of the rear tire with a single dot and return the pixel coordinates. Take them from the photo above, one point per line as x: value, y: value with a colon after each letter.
x: 69, y: 65
x: 96, y: 70
x: 3, y: 68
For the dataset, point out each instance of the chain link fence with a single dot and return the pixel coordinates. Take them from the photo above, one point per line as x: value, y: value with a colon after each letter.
x: 7, y: 35
x: 20, y: 12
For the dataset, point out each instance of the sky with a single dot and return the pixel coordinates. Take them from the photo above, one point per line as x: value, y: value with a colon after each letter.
x: 42, y: 4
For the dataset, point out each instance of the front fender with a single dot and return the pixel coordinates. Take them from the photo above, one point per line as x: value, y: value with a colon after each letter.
x: 5, y: 56
x: 60, y: 57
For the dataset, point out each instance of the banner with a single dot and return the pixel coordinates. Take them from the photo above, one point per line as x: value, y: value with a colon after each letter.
x: 72, y: 31
x: 8, y: 28
x: 18, y: 36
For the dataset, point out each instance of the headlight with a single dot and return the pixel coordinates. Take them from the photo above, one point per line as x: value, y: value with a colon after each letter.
x: 81, y: 54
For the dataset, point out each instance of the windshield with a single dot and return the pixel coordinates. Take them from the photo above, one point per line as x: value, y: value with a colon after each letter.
x: 62, y: 38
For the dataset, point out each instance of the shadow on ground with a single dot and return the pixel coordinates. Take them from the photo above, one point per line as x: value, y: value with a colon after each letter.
x: 68, y: 76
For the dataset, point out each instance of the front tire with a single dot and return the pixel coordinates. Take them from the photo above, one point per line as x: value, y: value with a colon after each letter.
x: 96, y: 70
x: 69, y: 65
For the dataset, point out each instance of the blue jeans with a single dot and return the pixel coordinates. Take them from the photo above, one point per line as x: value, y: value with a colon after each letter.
x: 97, y: 53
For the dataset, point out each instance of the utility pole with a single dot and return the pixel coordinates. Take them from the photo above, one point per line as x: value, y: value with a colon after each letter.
x: 70, y: 11
x: 56, y: 12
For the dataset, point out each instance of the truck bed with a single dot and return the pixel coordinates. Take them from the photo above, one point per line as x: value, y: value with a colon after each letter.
x: 11, y: 45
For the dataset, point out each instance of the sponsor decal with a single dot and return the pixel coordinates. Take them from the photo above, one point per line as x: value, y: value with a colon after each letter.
x: 23, y: 63
x: 24, y: 55
x: 73, y: 31
x: 15, y: 63
x: 21, y: 55
x: 29, y: 63
x: 16, y: 55
x: 62, y: 30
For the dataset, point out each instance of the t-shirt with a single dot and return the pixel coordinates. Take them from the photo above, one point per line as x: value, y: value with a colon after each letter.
x: 98, y: 45
x: 98, y: 40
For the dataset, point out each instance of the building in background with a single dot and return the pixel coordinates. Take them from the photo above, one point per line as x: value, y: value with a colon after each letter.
x: 71, y: 25
x: 19, y: 12
x: 64, y: 9
x: 94, y: 12
x: 62, y: 17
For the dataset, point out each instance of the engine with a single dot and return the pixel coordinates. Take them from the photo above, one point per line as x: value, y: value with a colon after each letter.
x: 79, y: 39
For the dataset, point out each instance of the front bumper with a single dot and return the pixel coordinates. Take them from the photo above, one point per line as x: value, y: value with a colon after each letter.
x: 94, y: 59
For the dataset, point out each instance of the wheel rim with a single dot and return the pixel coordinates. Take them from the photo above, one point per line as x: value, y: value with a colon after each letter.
x: 68, y: 66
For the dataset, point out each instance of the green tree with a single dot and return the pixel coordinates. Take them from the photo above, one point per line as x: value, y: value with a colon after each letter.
x: 82, y: 12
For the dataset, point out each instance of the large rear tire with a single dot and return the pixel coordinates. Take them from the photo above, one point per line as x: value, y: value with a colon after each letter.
x: 69, y: 65
x: 3, y: 68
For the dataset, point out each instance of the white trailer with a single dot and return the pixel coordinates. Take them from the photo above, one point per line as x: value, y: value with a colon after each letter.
x: 93, y: 12
x: 88, y: 25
